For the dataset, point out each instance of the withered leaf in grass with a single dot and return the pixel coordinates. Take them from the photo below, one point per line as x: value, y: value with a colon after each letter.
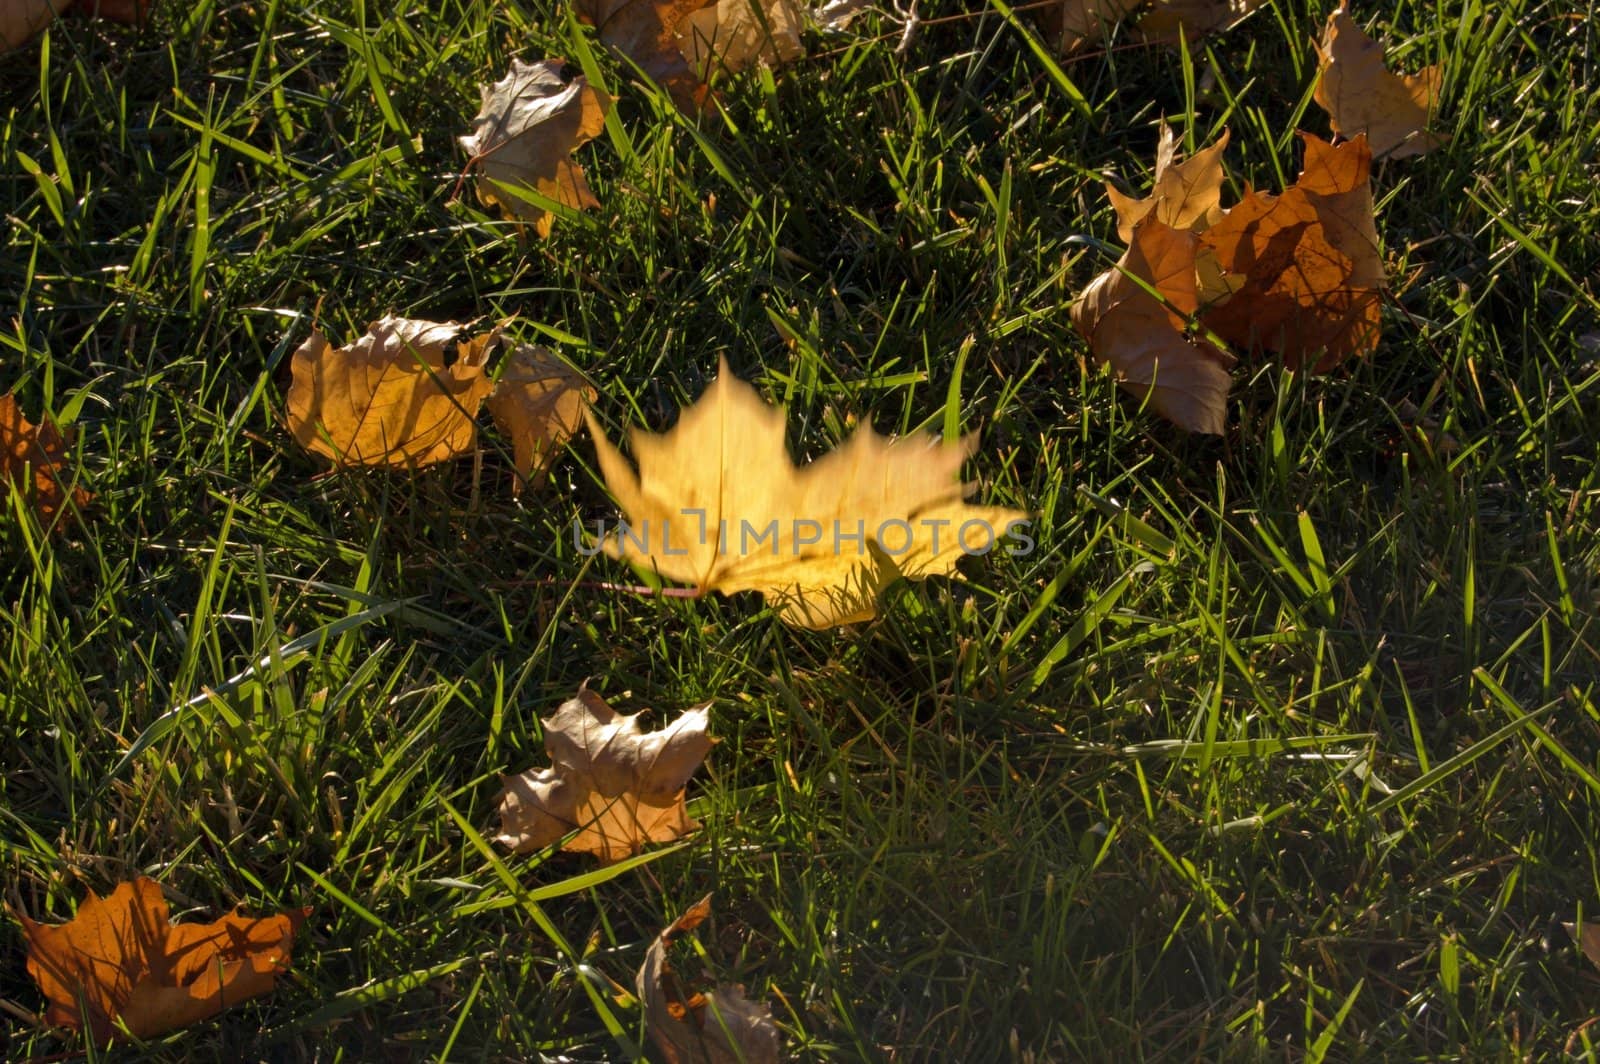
x: 405, y: 394
x: 1361, y: 96
x: 1309, y: 262
x: 523, y: 137
x: 1186, y: 195
x: 733, y: 35
x: 1167, y: 20
x: 648, y: 33
x: 1145, y: 339
x: 718, y: 503
x: 720, y: 1026
x: 616, y: 786
x: 539, y: 402
x: 120, y: 964
x: 1068, y: 25
x: 33, y: 463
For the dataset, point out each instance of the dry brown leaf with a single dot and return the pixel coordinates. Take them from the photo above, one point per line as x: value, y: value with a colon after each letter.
x: 524, y: 134
x: 618, y: 787
x: 1167, y: 19
x: 1361, y: 96
x: 717, y: 503
x: 1187, y: 195
x: 1072, y: 24
x: 394, y: 397
x: 647, y: 32
x: 1302, y: 294
x: 721, y: 1026
x: 538, y: 402
x: 733, y: 35
x: 21, y: 19
x: 33, y: 462
x: 1145, y: 339
x: 1587, y: 935
x: 130, y: 968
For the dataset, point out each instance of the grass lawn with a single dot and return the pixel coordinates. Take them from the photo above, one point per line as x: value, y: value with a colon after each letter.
x: 1281, y: 745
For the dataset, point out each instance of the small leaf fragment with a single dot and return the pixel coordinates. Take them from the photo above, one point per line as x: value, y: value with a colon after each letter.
x: 1068, y: 25
x: 1167, y: 20
x: 523, y: 136
x: 618, y: 787
x: 33, y: 463
x: 1362, y: 96
x: 539, y: 403
x: 721, y: 1026
x: 398, y: 396
x: 120, y: 964
x: 1145, y: 338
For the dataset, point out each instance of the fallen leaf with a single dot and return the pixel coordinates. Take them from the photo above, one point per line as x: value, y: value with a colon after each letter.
x: 33, y: 462
x: 1145, y: 339
x: 648, y: 33
x: 539, y: 402
x: 405, y: 394
x: 1186, y: 195
x: 1167, y: 20
x: 1071, y: 24
x: 717, y: 503
x: 1361, y: 96
x: 1310, y: 268
x: 734, y: 35
x: 1587, y: 935
x: 119, y: 963
x: 21, y: 19
x: 530, y: 123
x: 618, y: 787
x: 720, y: 1026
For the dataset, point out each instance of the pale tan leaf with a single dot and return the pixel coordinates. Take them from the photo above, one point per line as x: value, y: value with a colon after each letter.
x: 721, y: 1026
x: 649, y: 33
x: 539, y: 403
x: 1187, y: 195
x: 1587, y: 935
x: 1144, y: 338
x: 1362, y: 96
x: 717, y: 503
x: 530, y: 123
x: 616, y: 786
x: 118, y: 964
x: 733, y: 35
x: 394, y: 397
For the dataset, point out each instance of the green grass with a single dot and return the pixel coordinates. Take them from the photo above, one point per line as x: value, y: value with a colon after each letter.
x: 1282, y: 745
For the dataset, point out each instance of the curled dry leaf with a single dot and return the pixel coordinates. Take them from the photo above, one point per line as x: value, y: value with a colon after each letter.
x: 680, y: 43
x: 618, y: 787
x: 1145, y: 339
x: 33, y: 462
x: 523, y: 136
x: 721, y: 1026
x: 539, y: 403
x: 717, y: 503
x: 733, y: 35
x: 1186, y: 195
x: 1311, y: 270
x: 119, y: 964
x: 405, y: 394
x: 1361, y: 96
x: 1167, y: 20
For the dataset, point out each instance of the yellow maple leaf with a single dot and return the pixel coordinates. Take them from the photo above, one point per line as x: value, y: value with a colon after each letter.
x: 394, y: 397
x: 1361, y: 96
x: 717, y: 503
x: 1187, y: 195
x: 539, y: 403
